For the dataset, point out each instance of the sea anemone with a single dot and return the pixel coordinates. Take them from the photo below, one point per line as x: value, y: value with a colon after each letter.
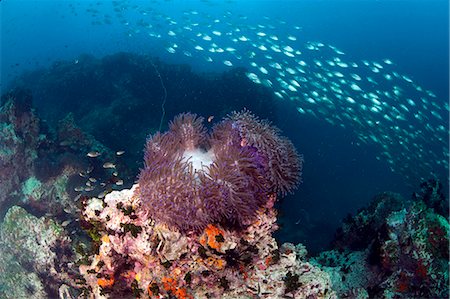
x: 191, y: 180
x: 234, y: 187
x: 189, y: 130
x: 284, y: 164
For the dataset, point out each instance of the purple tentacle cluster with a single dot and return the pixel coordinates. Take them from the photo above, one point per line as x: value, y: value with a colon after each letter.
x: 191, y: 179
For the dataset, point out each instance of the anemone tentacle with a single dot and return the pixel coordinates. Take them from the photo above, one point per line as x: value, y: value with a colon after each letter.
x: 191, y: 179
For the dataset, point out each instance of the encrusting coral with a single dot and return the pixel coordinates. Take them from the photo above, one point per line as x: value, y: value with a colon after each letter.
x: 199, y: 223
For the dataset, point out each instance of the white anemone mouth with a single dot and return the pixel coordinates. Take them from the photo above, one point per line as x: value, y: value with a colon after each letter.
x: 199, y: 159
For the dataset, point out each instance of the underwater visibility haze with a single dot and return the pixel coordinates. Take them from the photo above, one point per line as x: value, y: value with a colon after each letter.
x: 224, y: 149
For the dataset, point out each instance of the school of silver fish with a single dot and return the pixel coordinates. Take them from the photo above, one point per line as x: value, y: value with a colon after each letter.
x: 381, y: 106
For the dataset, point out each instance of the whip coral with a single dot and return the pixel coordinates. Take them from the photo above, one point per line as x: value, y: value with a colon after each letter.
x: 191, y: 179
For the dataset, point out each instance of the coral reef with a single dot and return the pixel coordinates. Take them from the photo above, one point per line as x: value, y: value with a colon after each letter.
x: 140, y: 257
x: 199, y: 224
x: 190, y: 180
x: 392, y: 249
x: 19, y: 133
x: 41, y: 170
x: 432, y: 195
x: 40, y: 165
x: 35, y: 254
x: 357, y: 232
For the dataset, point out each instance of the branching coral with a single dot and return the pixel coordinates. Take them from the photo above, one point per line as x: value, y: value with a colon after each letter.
x: 190, y: 180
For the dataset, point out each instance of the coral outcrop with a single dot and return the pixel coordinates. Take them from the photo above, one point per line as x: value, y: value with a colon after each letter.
x: 393, y: 249
x: 20, y: 138
x: 40, y: 166
x: 41, y: 170
x: 199, y: 223
x: 35, y: 254
x: 142, y: 257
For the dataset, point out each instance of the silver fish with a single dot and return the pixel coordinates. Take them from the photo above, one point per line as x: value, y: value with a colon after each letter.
x: 66, y: 223
x: 109, y: 165
x: 93, y: 154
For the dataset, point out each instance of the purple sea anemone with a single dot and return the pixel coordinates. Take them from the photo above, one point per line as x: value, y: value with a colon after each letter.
x: 284, y: 164
x: 189, y: 130
x: 190, y: 180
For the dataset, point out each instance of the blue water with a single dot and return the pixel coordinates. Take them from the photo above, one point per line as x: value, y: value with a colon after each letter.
x: 339, y: 176
x: 414, y: 33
